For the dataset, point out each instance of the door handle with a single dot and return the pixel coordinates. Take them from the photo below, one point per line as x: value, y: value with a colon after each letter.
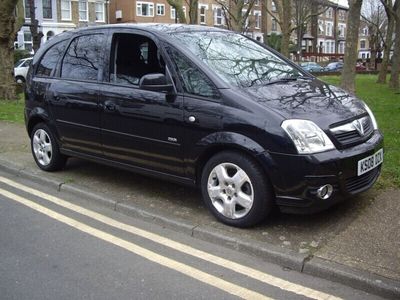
x: 109, y: 105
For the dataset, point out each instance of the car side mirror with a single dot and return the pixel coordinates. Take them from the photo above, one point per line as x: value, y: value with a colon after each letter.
x: 155, y: 82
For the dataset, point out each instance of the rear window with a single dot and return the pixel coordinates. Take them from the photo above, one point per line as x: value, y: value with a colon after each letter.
x: 50, y: 58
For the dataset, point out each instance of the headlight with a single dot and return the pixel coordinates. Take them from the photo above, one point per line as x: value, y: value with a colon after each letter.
x: 371, y: 115
x: 307, y: 136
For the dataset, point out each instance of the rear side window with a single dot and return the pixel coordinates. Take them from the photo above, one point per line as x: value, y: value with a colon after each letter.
x: 50, y: 58
x: 83, y: 57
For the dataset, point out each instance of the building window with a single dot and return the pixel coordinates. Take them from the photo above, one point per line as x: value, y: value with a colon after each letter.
x: 27, y: 9
x: 274, y: 25
x: 341, y: 47
x: 66, y: 10
x: 160, y: 10
x: 365, y: 31
x: 273, y: 8
x: 257, y: 3
x: 320, y: 27
x: 145, y: 9
x: 28, y: 41
x: 99, y: 9
x: 329, y: 13
x: 173, y: 13
x: 341, y: 30
x: 257, y: 19
x: 218, y: 16
x: 83, y: 10
x: 203, y: 16
x: 47, y: 9
x: 362, y: 44
x: 329, y: 28
x: 342, y: 15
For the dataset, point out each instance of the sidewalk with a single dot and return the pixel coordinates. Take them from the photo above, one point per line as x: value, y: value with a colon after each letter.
x: 357, y: 242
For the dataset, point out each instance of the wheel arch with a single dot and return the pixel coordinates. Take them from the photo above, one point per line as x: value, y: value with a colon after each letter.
x: 230, y: 141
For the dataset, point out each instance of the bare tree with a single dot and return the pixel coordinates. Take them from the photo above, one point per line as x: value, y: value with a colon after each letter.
x: 387, y: 45
x: 373, y: 13
x: 295, y: 16
x: 179, y: 13
x: 394, y: 12
x: 350, y: 55
x: 7, y: 34
x: 193, y: 10
x: 237, y: 13
x: 34, y: 26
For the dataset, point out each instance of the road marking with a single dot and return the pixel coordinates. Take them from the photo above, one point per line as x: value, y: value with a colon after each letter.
x: 238, y: 268
x: 199, y: 275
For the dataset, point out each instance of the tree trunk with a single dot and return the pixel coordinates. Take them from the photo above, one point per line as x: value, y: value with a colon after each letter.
x: 350, y: 56
x: 7, y: 34
x: 34, y: 27
x: 394, y: 78
x: 179, y: 14
x: 387, y: 47
x: 193, y: 11
x: 285, y: 15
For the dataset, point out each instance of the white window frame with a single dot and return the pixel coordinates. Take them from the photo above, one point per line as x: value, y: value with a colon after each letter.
x: 173, y: 13
x: 102, y: 20
x: 273, y: 6
x: 163, y: 9
x: 205, y: 7
x: 274, y: 25
x: 51, y: 10
x: 329, y: 13
x: 365, y: 44
x: 257, y: 19
x: 140, y: 4
x: 86, y: 10
x: 221, y: 17
x: 69, y: 10
x: 329, y: 28
x: 342, y: 29
x: 321, y: 29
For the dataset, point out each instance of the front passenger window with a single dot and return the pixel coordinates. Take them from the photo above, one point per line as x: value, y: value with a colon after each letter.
x: 133, y: 56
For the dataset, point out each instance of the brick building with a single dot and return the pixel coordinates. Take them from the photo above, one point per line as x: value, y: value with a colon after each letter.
x: 56, y: 16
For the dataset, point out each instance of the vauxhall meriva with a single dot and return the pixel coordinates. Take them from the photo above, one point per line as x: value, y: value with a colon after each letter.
x: 201, y: 106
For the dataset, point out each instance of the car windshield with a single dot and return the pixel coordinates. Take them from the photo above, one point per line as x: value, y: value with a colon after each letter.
x: 236, y: 59
x: 18, y: 63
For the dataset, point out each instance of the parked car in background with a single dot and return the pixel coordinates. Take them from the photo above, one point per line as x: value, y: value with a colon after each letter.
x: 21, y: 69
x: 201, y: 106
x: 334, y: 66
x: 312, y: 67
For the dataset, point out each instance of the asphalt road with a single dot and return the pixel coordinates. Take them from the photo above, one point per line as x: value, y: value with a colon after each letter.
x: 56, y: 246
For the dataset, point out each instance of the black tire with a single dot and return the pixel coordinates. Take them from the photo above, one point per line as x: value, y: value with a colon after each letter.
x: 258, y: 186
x: 51, y: 160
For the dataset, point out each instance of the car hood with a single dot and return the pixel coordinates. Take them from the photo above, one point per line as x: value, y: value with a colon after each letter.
x: 309, y: 99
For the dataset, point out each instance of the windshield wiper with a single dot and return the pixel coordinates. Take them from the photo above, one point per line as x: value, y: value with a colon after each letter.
x: 288, y: 79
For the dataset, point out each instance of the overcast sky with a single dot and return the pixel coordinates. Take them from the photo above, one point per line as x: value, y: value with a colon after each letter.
x: 342, y: 2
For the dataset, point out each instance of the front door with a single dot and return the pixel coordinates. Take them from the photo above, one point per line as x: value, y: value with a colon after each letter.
x: 139, y: 127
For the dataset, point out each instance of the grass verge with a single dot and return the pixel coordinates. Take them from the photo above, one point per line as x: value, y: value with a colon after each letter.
x: 385, y: 103
x: 12, y: 111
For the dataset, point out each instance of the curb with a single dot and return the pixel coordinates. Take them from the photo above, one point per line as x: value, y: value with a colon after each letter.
x: 307, y: 264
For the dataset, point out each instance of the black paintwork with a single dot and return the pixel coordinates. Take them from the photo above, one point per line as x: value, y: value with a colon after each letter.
x: 150, y: 132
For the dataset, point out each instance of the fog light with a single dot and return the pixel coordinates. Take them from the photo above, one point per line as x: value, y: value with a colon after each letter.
x: 325, y: 191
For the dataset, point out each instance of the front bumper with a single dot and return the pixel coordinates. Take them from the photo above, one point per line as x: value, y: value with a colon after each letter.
x: 296, y: 178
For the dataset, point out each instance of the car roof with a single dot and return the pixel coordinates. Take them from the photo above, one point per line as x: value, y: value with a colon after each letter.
x: 156, y: 27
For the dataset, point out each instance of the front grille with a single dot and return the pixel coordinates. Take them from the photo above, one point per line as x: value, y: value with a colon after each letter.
x: 347, y: 135
x: 358, y: 183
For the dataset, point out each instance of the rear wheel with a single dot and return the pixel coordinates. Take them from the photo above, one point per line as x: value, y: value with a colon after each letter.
x: 45, y: 149
x: 235, y: 189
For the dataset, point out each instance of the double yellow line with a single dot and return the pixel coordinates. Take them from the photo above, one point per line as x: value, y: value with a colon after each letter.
x: 155, y: 257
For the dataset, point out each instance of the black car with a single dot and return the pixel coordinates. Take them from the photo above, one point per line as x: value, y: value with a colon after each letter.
x: 201, y: 106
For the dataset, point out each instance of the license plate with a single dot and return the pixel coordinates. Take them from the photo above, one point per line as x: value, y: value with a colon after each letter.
x: 370, y: 162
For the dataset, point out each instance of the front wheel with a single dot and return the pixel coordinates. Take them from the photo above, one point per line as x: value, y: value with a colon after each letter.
x: 45, y: 149
x: 235, y: 189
